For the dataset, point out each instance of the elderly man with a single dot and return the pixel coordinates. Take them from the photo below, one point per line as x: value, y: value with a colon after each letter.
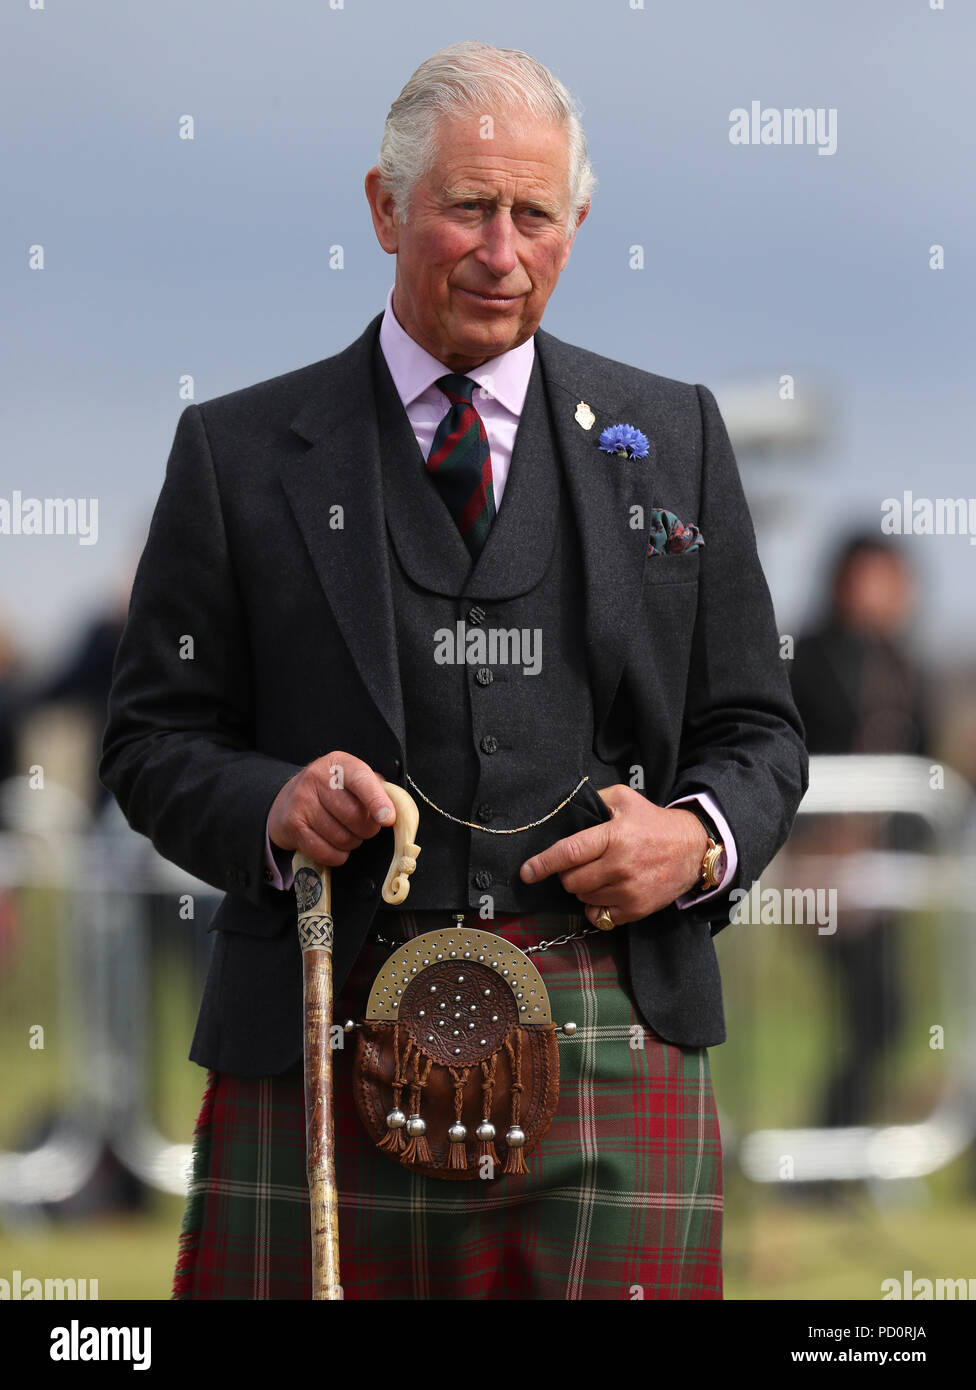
x: 521, y: 580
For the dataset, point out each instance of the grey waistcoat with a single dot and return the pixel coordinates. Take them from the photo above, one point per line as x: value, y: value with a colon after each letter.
x: 497, y: 736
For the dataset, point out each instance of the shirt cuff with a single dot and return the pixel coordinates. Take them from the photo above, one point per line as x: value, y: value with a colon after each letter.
x: 710, y: 807
x: 274, y: 875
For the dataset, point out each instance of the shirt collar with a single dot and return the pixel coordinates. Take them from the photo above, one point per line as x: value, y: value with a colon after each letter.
x: 414, y: 370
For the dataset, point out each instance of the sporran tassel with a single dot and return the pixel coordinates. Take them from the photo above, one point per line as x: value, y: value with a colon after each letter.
x: 457, y: 1153
x: 394, y: 1140
x: 417, y: 1150
x: 486, y: 1130
x: 515, y: 1136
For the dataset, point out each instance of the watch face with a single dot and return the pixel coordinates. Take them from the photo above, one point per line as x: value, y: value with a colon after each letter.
x: 714, y: 865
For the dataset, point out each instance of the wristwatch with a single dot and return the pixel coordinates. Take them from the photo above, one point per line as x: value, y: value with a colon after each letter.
x: 715, y: 861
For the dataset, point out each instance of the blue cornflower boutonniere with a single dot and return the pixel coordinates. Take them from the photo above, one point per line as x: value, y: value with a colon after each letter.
x: 624, y: 441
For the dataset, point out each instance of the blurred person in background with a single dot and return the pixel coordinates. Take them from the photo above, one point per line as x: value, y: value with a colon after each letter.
x: 83, y: 678
x: 858, y: 689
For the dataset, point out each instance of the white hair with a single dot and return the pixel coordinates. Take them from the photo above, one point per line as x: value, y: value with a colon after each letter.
x: 475, y: 77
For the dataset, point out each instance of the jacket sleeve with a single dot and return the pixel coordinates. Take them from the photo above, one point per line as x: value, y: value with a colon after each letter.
x: 178, y: 750
x: 742, y: 739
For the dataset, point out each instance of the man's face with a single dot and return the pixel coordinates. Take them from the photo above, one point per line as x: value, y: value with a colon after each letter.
x: 485, y: 240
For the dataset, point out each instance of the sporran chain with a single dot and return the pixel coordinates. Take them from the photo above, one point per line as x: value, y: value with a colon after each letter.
x: 536, y: 947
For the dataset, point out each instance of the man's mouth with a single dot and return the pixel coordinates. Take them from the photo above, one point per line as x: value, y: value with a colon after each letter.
x: 491, y: 297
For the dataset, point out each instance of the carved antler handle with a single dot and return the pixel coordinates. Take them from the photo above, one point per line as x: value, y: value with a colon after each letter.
x: 396, y: 885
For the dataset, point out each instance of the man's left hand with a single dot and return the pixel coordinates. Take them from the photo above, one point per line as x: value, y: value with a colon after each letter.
x: 634, y: 864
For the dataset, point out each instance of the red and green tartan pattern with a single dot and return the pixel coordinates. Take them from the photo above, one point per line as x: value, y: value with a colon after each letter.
x: 623, y: 1199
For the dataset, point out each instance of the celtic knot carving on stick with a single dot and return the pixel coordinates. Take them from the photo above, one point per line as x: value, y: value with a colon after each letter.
x: 315, y: 933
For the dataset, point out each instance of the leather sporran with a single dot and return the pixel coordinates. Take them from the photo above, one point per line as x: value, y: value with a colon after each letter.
x: 457, y: 1064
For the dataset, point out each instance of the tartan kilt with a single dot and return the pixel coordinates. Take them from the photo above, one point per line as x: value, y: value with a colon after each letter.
x: 623, y: 1199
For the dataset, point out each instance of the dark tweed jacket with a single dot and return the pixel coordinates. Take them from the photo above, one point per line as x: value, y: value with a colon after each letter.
x: 241, y: 555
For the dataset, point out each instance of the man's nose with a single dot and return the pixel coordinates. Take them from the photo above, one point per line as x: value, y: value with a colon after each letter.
x: 497, y: 250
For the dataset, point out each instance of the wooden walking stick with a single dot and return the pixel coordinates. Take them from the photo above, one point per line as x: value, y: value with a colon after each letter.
x: 313, y: 889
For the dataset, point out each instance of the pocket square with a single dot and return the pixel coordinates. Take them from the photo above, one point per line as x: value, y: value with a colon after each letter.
x: 669, y: 536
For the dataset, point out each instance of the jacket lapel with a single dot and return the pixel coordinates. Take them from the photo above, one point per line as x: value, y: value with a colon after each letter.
x: 604, y: 491
x: 342, y: 470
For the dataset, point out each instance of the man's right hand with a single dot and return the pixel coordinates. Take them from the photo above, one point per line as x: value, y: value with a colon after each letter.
x: 329, y: 808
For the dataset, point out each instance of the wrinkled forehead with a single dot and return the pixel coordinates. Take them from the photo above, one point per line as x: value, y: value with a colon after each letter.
x: 507, y: 139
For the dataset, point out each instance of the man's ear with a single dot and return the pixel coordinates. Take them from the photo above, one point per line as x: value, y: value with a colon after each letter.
x: 580, y: 219
x: 383, y: 211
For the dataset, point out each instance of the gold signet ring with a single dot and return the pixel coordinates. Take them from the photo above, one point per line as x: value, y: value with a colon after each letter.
x: 603, y: 919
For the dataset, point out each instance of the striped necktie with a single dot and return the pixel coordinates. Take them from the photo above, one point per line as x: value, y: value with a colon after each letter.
x: 460, y: 464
